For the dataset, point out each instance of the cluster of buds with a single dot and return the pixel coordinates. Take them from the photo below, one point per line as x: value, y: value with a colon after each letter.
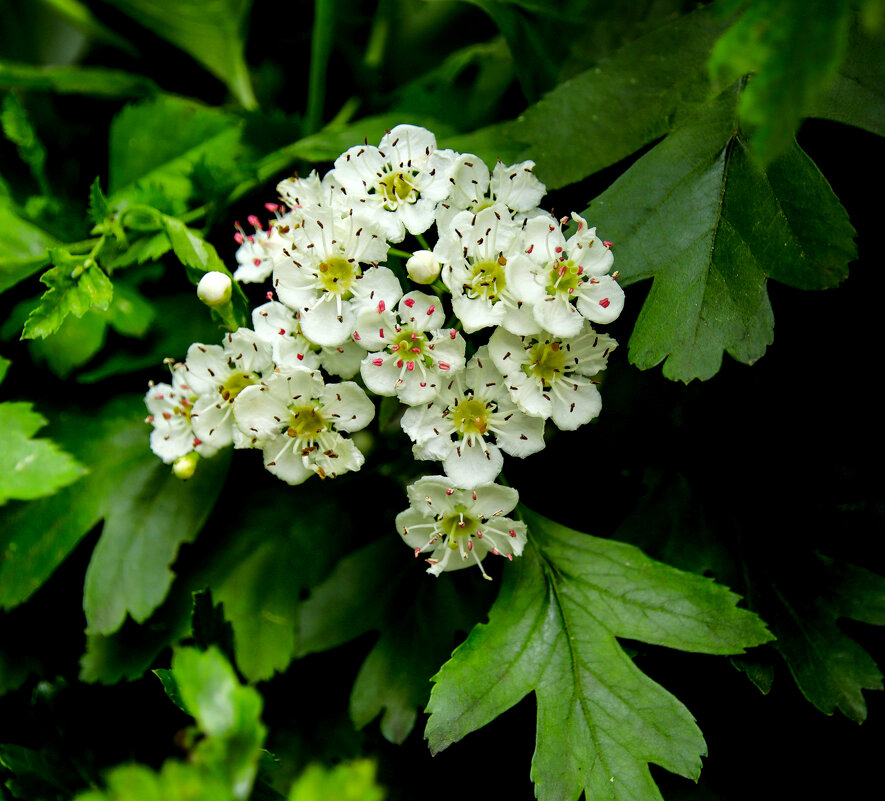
x: 338, y: 311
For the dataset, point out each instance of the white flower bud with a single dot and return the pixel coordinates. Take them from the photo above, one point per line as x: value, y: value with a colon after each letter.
x: 185, y: 466
x: 214, y: 289
x: 423, y: 267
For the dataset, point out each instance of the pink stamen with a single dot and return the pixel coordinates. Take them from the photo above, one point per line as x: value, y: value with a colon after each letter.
x: 444, y: 366
x: 605, y: 303
x: 300, y: 356
x: 256, y: 262
x: 378, y: 362
x: 254, y: 221
x: 356, y: 336
x: 238, y: 238
x: 272, y: 206
x: 557, y: 250
x: 453, y: 334
x: 530, y: 248
x: 431, y: 310
x: 410, y: 366
x: 197, y: 442
x: 409, y: 302
x: 381, y: 333
x: 450, y: 491
x: 269, y: 295
x: 399, y: 363
x: 607, y: 244
x: 512, y: 533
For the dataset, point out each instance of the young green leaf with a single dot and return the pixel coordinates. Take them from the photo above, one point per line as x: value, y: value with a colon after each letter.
x: 793, y: 48
x: 34, y: 467
x: 74, y: 288
x: 228, y: 713
x: 176, y: 781
x: 699, y: 215
x: 212, y: 31
x: 150, y: 516
x: 348, y: 781
x: 99, y: 208
x: 554, y: 629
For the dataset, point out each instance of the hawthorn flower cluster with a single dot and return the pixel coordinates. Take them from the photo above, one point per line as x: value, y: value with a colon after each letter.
x: 498, y: 340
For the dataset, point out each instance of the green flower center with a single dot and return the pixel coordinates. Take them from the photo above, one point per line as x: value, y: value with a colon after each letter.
x: 471, y: 416
x: 459, y: 524
x: 235, y: 385
x: 410, y: 346
x: 546, y: 361
x: 306, y: 422
x: 488, y: 279
x: 396, y: 188
x: 564, y: 276
x: 338, y: 275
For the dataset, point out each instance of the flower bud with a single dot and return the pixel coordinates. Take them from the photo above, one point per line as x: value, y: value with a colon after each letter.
x: 423, y: 267
x: 214, y: 289
x: 185, y: 466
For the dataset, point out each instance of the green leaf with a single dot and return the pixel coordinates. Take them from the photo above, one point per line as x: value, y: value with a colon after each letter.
x: 857, y: 96
x: 74, y: 288
x: 349, y: 781
x: 80, y: 17
x: 130, y: 314
x: 18, y: 129
x: 154, y: 146
x: 93, y: 81
x: 35, y: 537
x: 36, y: 773
x: 176, y: 781
x: 99, y: 208
x: 553, y: 631
x: 793, y: 48
x: 279, y: 546
x: 33, y: 468
x: 24, y: 248
x: 77, y: 340
x: 699, y: 215
x: 212, y: 31
x: 394, y: 679
x: 608, y: 112
x: 226, y: 712
x: 150, y: 516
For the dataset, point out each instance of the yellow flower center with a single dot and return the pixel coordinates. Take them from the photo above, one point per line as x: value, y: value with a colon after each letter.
x: 546, y: 361
x: 235, y: 385
x: 471, y: 416
x: 338, y: 275
x: 306, y: 422
x: 488, y: 279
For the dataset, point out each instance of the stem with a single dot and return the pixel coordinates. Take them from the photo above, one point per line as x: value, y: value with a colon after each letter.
x: 320, y: 49
x: 403, y: 254
x: 423, y: 242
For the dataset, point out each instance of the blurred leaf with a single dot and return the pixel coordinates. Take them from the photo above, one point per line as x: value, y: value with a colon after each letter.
x: 154, y: 146
x: 553, y: 631
x: 212, y: 31
x: 90, y: 289
x: 226, y: 712
x: 151, y: 514
x: 35, y: 537
x: 130, y: 313
x: 279, y: 546
x: 793, y: 49
x: 99, y: 208
x: 94, y: 81
x: 176, y: 781
x: 857, y: 96
x: 349, y: 781
x: 147, y: 248
x: 80, y: 17
x: 17, y: 129
x: 700, y: 215
x: 34, y: 467
x: 74, y: 344
x: 608, y: 112
x: 191, y: 324
x: 35, y: 774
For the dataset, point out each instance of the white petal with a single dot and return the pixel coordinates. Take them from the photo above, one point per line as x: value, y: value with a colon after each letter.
x: 432, y: 488
x: 212, y: 421
x: 478, y: 313
x: 343, y: 360
x: 492, y: 499
x: 273, y: 320
x: 294, y: 352
x: 380, y: 378
x: 322, y: 326
x: 507, y: 351
x: 282, y: 459
x: 261, y: 412
x: 206, y: 367
x: 347, y: 405
x: 516, y: 186
x: 471, y: 466
x: 574, y: 404
x: 522, y: 435
x: 295, y: 286
x: 417, y: 217
x: 601, y: 300
x: 559, y: 317
x: 424, y: 311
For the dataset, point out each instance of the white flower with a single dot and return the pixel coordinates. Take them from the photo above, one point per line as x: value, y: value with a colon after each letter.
x: 170, y: 407
x: 514, y: 186
x: 401, y: 181
x: 276, y: 323
x: 550, y: 376
x: 423, y: 267
x: 572, y: 275
x: 471, y: 408
x: 218, y: 373
x: 297, y: 421
x: 488, y: 274
x: 459, y: 527
x: 214, y: 289
x: 258, y: 251
x: 410, y: 355
x: 321, y: 275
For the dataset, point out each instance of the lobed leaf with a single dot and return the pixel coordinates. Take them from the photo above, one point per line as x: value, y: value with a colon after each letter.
x: 699, y: 215
x: 93, y: 81
x: 24, y: 247
x: 74, y: 288
x: 347, y: 781
x: 553, y: 631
